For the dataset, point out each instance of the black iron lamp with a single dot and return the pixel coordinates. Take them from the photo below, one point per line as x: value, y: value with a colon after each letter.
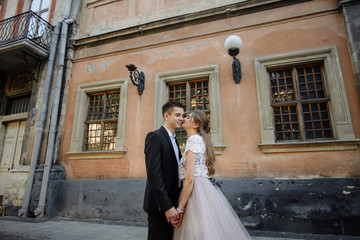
x: 233, y: 44
x: 137, y: 78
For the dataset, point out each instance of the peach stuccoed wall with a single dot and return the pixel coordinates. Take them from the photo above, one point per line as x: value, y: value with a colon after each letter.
x: 263, y: 33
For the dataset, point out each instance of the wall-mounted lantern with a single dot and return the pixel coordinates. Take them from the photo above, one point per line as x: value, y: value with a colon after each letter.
x: 137, y: 78
x: 233, y: 44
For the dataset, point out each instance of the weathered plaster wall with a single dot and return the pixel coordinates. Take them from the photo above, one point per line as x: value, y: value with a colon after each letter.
x: 16, y: 183
x: 264, y: 33
x: 351, y: 17
x: 105, y: 16
x: 11, y: 9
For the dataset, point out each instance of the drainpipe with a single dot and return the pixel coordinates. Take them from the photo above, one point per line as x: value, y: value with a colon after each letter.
x: 40, y: 127
x: 23, y: 211
x: 40, y: 210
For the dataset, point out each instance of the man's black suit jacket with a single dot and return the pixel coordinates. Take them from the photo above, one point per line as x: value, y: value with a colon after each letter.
x: 162, y: 190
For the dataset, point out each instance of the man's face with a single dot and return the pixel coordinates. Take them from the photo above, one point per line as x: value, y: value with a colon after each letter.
x: 174, y: 118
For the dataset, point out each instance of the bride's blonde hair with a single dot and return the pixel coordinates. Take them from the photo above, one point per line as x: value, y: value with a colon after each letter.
x: 202, y: 120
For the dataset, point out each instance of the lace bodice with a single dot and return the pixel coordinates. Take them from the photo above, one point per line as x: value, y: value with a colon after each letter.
x: 196, y: 144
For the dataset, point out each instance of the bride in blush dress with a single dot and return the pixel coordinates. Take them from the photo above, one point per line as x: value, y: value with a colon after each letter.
x: 205, y: 212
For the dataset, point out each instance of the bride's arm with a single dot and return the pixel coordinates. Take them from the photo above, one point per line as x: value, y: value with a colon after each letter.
x: 189, y: 179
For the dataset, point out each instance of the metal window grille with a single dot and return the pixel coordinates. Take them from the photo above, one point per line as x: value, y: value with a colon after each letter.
x: 193, y: 95
x: 300, y: 104
x: 102, y: 121
x: 17, y: 105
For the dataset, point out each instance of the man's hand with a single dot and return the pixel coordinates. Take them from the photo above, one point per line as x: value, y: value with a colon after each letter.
x: 172, y: 215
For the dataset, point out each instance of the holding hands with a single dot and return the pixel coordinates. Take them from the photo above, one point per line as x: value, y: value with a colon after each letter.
x: 174, y: 216
x: 178, y: 222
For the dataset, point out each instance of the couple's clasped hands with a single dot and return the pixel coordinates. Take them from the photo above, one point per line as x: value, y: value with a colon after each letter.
x: 174, y: 216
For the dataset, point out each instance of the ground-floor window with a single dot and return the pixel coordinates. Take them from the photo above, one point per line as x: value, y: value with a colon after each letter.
x: 102, y: 121
x: 193, y: 94
x: 302, y: 102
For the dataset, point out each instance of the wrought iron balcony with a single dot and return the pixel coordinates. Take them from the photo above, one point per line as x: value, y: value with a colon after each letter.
x: 27, y: 25
x: 22, y: 36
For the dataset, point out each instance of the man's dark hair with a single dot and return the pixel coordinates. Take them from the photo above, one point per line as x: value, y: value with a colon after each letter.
x: 171, y: 104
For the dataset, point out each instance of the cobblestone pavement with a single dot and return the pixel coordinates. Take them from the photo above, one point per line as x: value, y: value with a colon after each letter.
x: 12, y: 228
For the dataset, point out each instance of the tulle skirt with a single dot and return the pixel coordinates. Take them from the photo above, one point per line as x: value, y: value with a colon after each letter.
x: 209, y: 215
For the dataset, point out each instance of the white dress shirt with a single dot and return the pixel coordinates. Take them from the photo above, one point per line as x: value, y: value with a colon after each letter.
x: 176, y: 150
x: 173, y: 141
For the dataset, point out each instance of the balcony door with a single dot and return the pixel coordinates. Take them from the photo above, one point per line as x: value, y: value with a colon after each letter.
x: 41, y: 8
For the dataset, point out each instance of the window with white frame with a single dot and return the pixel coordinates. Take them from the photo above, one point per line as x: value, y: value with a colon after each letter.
x: 302, y: 102
x: 36, y: 27
x: 196, y: 88
x: 41, y: 8
x: 99, y: 120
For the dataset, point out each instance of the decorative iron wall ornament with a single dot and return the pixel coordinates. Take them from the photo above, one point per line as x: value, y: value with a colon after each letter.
x: 137, y: 78
x: 233, y: 44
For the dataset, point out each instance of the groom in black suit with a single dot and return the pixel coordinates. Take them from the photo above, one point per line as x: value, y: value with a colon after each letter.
x: 162, y: 155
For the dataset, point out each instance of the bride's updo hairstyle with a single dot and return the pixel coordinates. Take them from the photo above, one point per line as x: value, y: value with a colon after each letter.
x: 202, y: 120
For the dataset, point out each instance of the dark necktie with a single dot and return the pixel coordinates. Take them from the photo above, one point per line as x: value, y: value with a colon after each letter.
x: 179, y: 183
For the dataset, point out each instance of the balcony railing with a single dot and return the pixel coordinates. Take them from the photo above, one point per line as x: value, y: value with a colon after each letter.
x: 24, y: 26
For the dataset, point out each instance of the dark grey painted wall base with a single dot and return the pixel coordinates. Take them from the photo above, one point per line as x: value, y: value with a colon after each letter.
x: 318, y: 206
x: 119, y: 199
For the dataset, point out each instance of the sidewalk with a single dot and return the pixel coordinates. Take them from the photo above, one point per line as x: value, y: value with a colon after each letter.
x: 12, y: 228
